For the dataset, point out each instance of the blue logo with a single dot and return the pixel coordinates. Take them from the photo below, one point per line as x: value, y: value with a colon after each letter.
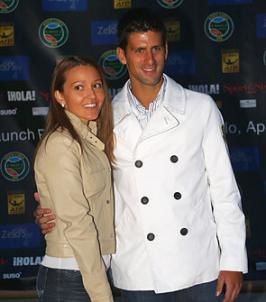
x: 220, y: 2
x: 66, y: 5
x: 103, y: 32
x: 245, y: 159
x: 180, y: 63
x: 19, y: 236
x: 14, y: 68
x: 261, y: 25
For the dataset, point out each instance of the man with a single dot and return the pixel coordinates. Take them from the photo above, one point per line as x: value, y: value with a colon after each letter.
x: 179, y: 223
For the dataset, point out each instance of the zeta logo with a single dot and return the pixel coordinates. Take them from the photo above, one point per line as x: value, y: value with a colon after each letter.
x: 7, y: 6
x: 15, y: 166
x: 53, y: 33
x: 111, y: 66
x: 218, y: 27
x: 170, y: 4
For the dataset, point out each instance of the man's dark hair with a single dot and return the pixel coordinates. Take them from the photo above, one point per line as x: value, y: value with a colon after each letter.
x: 139, y: 20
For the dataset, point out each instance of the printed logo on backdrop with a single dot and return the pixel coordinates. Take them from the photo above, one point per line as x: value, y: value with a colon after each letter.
x: 16, y: 203
x: 172, y: 30
x: 180, y: 62
x: 19, y: 236
x: 205, y: 88
x: 27, y: 261
x: 230, y: 61
x: 8, y: 6
x: 20, y: 136
x: 248, y: 103
x: 53, y: 33
x: 66, y: 5
x: 170, y: 4
x: 7, y: 35
x: 111, y: 66
x: 10, y: 276
x: 103, y: 32
x: 261, y: 25
x: 21, y: 96
x: 15, y: 166
x: 218, y: 27
x: 122, y: 4
x: 8, y: 112
x: 244, y: 88
x: 245, y: 159
x: 14, y: 68
x: 224, y: 2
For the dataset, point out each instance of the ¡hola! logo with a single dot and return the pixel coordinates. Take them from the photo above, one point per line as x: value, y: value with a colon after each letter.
x: 170, y: 4
x: 218, y: 27
x: 111, y: 66
x: 7, y: 6
x: 15, y: 166
x: 53, y: 33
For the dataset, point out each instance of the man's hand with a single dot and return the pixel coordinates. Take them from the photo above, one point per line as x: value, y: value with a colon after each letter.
x: 44, y: 217
x: 231, y: 282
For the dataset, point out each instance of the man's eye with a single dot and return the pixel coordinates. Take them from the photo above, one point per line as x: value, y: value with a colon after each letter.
x: 140, y: 50
x: 157, y: 48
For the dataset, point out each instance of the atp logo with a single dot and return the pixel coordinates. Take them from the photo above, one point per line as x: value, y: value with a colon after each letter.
x: 53, y: 33
x: 219, y: 27
x: 15, y: 166
x: 8, y: 6
x: 111, y: 66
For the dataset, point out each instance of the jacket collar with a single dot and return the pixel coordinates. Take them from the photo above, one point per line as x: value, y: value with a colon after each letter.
x: 174, y: 102
x: 86, y: 130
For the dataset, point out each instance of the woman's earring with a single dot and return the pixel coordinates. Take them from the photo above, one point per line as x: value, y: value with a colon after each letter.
x: 63, y: 105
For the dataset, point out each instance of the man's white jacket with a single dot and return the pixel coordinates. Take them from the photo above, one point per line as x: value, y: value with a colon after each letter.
x: 178, y: 209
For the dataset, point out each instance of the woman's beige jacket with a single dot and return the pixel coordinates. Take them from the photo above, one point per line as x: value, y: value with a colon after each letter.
x: 76, y: 185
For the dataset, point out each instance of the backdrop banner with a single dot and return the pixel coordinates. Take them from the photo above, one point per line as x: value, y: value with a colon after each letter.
x: 217, y: 47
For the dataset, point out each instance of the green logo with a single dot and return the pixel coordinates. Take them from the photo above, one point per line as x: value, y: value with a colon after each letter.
x: 53, y: 33
x: 170, y: 4
x: 218, y: 27
x: 15, y: 166
x: 7, y: 6
x: 111, y: 66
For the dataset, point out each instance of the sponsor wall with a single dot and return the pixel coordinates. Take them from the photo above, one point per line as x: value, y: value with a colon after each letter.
x: 215, y: 46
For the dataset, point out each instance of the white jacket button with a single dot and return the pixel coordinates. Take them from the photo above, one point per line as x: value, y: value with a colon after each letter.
x: 177, y: 195
x: 174, y: 159
x: 138, y: 163
x: 184, y: 231
x: 150, y: 236
x: 144, y: 200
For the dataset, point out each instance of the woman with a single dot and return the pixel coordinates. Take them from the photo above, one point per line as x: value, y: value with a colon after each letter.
x: 73, y: 178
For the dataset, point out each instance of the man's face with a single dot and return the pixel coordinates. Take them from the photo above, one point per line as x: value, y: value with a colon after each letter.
x: 145, y: 57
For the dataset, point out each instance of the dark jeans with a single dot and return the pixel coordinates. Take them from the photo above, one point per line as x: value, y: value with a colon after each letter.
x: 59, y: 285
x: 204, y: 292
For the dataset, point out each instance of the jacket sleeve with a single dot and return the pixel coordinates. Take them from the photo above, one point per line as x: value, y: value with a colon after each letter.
x: 225, y: 196
x: 60, y: 163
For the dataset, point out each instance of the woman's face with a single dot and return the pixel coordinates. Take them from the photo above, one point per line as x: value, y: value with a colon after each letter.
x: 83, y: 92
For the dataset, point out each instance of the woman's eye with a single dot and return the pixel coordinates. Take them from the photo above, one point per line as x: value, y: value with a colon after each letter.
x: 98, y: 85
x: 78, y: 87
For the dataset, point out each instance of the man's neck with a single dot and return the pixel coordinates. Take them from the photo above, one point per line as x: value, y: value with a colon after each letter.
x: 146, y: 94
